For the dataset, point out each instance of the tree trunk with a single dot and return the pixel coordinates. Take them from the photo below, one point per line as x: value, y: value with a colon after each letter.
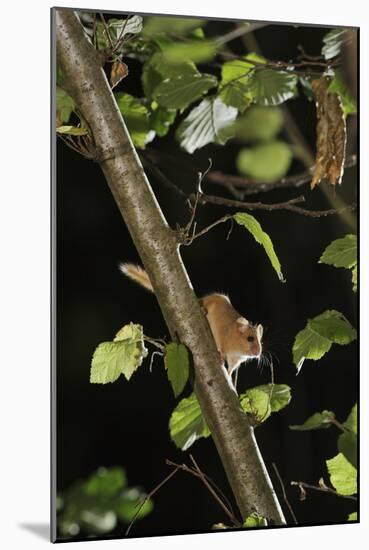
x: 158, y: 248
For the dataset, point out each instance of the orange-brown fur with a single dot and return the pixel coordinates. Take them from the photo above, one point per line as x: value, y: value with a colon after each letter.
x: 230, y: 330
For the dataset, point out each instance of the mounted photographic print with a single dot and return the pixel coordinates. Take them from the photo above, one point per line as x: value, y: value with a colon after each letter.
x: 205, y: 358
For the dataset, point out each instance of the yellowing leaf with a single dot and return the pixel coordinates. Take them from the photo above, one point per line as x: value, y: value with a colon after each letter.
x: 342, y: 475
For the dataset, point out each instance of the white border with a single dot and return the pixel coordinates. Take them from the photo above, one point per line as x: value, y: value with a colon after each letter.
x: 24, y: 301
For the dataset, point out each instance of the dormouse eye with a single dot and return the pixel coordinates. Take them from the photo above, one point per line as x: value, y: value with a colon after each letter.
x: 250, y: 338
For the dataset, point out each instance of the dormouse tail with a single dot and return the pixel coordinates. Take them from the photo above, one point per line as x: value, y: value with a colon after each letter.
x: 137, y: 274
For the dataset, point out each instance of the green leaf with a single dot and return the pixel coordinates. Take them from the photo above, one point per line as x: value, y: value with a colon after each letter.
x: 123, y: 356
x: 352, y: 516
x: 161, y: 119
x: 316, y: 339
x: 261, y: 237
x: 342, y: 475
x: 187, y: 424
x: 351, y: 421
x: 171, y: 25
x: 259, y: 124
x: 271, y: 87
x: 233, y: 90
x: 333, y: 41
x: 177, y: 365
x: 72, y: 130
x: 98, y: 521
x: 117, y: 28
x: 338, y: 86
x: 354, y: 279
x: 197, y: 51
x: 341, y: 252
x: 64, y: 105
x: 267, y: 162
x: 263, y: 400
x: 127, y: 505
x: 136, y: 117
x: 106, y: 482
x: 255, y: 520
x: 316, y: 421
x: 205, y: 124
x: 347, y: 445
x: 157, y: 69
x: 179, y: 92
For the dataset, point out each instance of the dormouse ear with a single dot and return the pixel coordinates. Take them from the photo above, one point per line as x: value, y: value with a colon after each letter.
x: 259, y: 331
x: 243, y: 324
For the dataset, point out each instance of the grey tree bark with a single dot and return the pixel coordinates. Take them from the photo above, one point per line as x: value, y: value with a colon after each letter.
x: 157, y: 246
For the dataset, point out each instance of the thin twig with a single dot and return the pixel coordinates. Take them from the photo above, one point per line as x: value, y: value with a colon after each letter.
x: 154, y: 342
x: 188, y: 241
x: 322, y: 488
x: 245, y: 186
x: 240, y: 31
x: 285, y: 494
x: 148, y: 496
x: 288, y: 205
x: 197, y: 473
x: 107, y: 31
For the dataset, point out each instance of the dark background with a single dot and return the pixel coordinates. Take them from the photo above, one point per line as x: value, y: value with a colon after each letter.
x: 126, y: 423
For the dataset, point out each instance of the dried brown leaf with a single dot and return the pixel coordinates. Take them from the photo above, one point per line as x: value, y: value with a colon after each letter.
x: 331, y: 134
x: 119, y: 70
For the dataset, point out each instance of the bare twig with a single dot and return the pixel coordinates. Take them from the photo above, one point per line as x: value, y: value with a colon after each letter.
x: 287, y: 205
x: 148, y: 496
x: 245, y: 186
x: 107, y: 31
x: 285, y: 494
x: 321, y: 487
x: 239, y: 31
x: 199, y: 474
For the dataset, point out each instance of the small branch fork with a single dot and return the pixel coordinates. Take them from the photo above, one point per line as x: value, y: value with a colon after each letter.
x: 322, y: 487
x: 195, y: 470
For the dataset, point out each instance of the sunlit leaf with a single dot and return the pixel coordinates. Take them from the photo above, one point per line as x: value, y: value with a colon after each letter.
x: 193, y: 50
x: 205, y: 124
x: 136, y: 116
x: 267, y: 162
x: 161, y: 119
x: 259, y: 123
x: 123, y: 356
x: 271, y: 87
x: 181, y: 91
x: 333, y: 41
x: 255, y: 520
x: 106, y: 482
x: 341, y: 252
x: 316, y: 339
x: 233, y: 90
x: 263, y: 400
x: 72, y: 130
x: 347, y: 445
x: 352, y: 516
x: 254, y: 227
x: 343, y: 475
x: 64, y: 105
x: 186, y: 423
x: 171, y: 25
x: 316, y: 421
x: 351, y: 421
x: 177, y: 365
x: 338, y: 86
